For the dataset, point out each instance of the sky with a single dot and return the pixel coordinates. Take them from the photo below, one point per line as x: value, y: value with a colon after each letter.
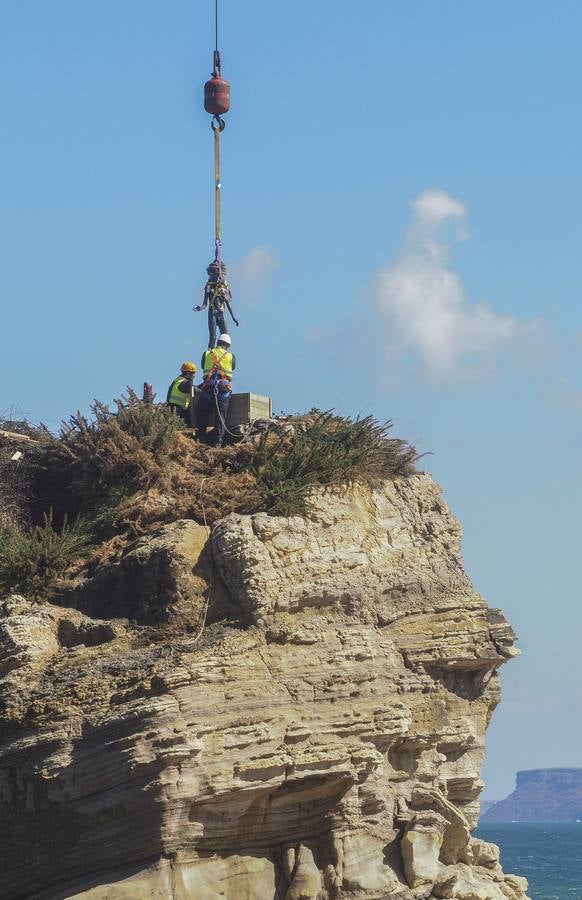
x: 401, y: 221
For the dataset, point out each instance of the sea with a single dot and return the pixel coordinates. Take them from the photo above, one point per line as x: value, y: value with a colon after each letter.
x: 548, y: 855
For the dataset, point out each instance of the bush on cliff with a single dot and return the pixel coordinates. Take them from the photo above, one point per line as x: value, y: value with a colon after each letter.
x: 132, y: 468
x: 15, y: 473
x: 94, y: 463
x: 128, y: 470
x: 33, y: 558
x: 331, y: 450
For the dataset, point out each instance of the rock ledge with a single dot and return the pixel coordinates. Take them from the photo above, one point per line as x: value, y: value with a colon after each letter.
x: 325, y: 745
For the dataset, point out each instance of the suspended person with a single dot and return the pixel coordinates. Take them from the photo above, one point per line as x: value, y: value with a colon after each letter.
x: 218, y: 364
x: 217, y: 296
x: 181, y: 390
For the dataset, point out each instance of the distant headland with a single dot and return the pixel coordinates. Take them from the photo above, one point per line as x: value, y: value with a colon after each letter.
x: 541, y: 795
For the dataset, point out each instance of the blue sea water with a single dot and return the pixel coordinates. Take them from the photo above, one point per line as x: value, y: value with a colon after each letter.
x: 548, y: 855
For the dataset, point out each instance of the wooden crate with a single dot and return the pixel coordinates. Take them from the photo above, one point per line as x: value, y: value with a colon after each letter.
x: 245, y: 408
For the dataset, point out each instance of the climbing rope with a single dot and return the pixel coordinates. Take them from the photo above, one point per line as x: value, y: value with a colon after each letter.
x: 220, y: 416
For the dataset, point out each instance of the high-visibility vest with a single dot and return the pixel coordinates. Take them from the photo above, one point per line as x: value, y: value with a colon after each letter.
x: 219, y: 359
x: 177, y: 397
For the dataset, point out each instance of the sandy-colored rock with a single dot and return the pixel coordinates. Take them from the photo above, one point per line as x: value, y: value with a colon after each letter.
x: 160, y: 578
x: 421, y: 847
x: 27, y: 635
x: 379, y: 552
x: 330, y: 749
x: 305, y: 880
x: 462, y: 882
x: 484, y: 853
x: 516, y: 884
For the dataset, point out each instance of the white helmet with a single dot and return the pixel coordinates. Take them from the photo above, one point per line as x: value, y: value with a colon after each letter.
x: 225, y: 339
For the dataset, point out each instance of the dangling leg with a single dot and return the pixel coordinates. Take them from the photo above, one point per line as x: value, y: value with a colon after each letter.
x: 220, y: 322
x: 222, y: 400
x: 211, y: 328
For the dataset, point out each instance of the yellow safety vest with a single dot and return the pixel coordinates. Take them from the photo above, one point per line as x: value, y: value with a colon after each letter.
x: 218, y: 357
x: 177, y: 397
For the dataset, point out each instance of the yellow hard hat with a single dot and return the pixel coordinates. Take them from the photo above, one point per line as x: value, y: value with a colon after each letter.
x: 189, y: 367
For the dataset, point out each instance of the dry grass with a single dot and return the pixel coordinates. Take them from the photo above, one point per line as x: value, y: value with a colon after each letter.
x: 122, y: 472
x: 128, y: 470
x: 16, y: 473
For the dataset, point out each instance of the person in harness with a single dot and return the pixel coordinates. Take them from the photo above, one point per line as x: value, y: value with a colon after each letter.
x: 218, y: 364
x: 181, y: 391
x: 217, y: 296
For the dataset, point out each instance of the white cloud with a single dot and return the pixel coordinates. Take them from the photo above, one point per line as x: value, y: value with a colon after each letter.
x: 424, y: 303
x: 250, y: 276
x: 433, y: 207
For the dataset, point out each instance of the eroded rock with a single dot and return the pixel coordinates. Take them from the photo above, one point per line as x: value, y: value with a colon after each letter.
x: 27, y: 635
x: 160, y: 578
x: 330, y: 750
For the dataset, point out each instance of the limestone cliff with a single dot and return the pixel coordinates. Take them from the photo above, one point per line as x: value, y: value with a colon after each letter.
x: 320, y: 739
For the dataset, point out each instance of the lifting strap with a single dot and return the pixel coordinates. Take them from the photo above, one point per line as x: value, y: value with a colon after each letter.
x: 217, y: 186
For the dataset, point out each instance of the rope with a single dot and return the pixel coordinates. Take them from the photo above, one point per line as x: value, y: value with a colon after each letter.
x: 219, y: 414
x: 216, y: 24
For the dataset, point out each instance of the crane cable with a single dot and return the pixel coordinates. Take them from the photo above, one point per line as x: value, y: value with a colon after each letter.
x: 217, y: 186
x: 217, y: 125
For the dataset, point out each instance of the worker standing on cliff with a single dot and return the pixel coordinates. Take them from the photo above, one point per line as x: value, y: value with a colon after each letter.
x: 182, y: 390
x: 218, y: 364
x: 217, y: 296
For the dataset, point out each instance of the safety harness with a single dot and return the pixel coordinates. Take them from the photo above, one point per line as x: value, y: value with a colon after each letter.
x: 218, y: 294
x: 217, y: 379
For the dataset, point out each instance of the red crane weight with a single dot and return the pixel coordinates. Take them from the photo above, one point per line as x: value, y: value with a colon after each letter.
x: 217, y: 96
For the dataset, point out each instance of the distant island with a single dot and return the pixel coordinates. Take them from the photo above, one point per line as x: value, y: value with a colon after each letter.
x: 540, y: 795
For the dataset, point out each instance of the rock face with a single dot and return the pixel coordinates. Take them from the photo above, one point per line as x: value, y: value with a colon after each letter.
x: 541, y: 795
x: 324, y: 745
x: 159, y: 579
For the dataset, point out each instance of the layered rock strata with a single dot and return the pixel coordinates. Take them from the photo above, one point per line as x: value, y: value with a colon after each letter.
x: 322, y: 742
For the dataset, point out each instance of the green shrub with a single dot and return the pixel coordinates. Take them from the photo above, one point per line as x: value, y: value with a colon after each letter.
x: 328, y: 450
x: 32, y: 559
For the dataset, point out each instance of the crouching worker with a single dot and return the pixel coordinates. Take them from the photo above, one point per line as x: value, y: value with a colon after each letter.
x: 218, y: 364
x: 181, y: 391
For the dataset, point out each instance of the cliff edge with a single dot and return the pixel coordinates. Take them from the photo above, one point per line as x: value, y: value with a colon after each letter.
x: 284, y: 708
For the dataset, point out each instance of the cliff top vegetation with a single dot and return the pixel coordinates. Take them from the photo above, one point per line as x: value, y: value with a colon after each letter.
x: 83, y: 494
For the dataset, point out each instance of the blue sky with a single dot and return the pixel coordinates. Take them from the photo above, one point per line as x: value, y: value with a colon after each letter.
x: 401, y: 217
